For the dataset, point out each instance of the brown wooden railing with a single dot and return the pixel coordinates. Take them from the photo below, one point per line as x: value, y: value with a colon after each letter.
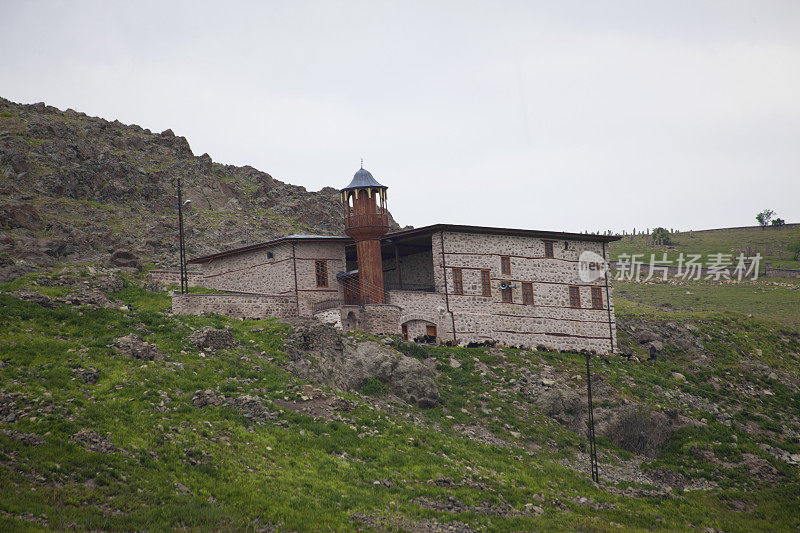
x: 381, y: 218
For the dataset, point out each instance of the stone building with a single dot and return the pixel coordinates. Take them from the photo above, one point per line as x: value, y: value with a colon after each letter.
x: 449, y: 282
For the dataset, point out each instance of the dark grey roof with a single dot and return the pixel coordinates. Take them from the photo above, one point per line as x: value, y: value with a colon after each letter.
x: 362, y: 180
x: 280, y: 240
x: 457, y: 228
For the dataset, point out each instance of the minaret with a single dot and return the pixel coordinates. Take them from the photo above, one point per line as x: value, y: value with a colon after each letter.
x: 366, y: 220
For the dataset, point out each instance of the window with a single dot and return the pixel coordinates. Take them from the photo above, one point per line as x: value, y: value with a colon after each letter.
x: 486, y: 283
x: 574, y: 296
x: 597, y: 298
x: 527, y: 293
x: 548, y: 249
x: 405, y: 331
x: 458, y: 284
x: 506, y: 295
x: 430, y: 330
x: 321, y: 270
x: 505, y: 264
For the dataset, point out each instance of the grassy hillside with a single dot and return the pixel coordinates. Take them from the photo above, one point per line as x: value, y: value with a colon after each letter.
x: 771, y: 242
x: 92, y: 439
x: 768, y: 298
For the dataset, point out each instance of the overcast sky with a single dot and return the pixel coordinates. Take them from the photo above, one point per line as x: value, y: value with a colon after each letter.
x: 544, y: 115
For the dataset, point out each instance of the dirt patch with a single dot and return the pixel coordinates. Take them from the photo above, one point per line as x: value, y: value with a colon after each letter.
x: 328, y: 408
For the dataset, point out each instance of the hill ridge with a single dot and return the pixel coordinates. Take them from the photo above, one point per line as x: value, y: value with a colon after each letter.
x: 75, y: 187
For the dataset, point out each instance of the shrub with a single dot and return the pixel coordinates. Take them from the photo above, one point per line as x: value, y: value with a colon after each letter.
x: 764, y: 217
x: 411, y: 349
x: 640, y: 430
x: 373, y: 387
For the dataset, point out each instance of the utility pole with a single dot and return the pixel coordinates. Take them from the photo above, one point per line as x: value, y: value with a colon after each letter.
x: 184, y: 278
x: 592, y: 445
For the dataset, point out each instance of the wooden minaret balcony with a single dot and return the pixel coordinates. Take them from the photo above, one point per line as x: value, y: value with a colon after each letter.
x: 366, y: 220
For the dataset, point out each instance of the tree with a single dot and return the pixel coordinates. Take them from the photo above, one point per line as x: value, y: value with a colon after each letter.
x: 794, y: 247
x: 778, y: 222
x: 661, y: 236
x: 764, y: 217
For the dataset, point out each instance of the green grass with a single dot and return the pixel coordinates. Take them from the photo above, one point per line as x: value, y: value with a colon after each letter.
x: 771, y: 242
x: 769, y: 298
x: 179, y: 466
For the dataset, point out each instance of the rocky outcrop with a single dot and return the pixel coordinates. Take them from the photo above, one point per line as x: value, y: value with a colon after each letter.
x: 124, y: 257
x: 94, y: 186
x: 641, y: 332
x: 251, y: 407
x: 631, y: 426
x: 93, y: 442
x: 134, y: 347
x: 210, y: 338
x: 319, y: 352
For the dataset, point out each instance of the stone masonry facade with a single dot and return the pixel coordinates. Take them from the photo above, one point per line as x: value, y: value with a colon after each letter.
x: 550, y: 318
x: 452, y: 286
x: 238, y: 305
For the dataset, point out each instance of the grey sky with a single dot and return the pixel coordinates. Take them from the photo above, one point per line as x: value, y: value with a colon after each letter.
x: 552, y: 115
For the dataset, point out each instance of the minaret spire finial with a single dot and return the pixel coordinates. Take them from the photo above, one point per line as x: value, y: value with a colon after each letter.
x: 362, y: 163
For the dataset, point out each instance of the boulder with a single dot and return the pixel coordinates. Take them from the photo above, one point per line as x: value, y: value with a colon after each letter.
x: 646, y: 336
x: 20, y: 216
x: 318, y: 352
x: 657, y: 346
x: 565, y: 406
x: 124, y: 257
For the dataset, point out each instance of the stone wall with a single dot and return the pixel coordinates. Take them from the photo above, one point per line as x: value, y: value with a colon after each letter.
x: 239, y: 305
x: 252, y: 271
x: 370, y: 318
x: 173, y: 277
x: 380, y: 318
x: 772, y: 272
x: 306, y: 255
x: 256, y: 272
x: 415, y: 270
x: 550, y: 321
x: 422, y: 307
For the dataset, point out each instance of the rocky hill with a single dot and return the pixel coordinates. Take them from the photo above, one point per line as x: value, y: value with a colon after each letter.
x: 76, y: 188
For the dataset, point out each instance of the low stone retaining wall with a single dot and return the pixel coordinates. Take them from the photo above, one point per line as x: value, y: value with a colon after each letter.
x: 173, y: 277
x: 381, y: 318
x: 238, y: 305
x: 772, y: 272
